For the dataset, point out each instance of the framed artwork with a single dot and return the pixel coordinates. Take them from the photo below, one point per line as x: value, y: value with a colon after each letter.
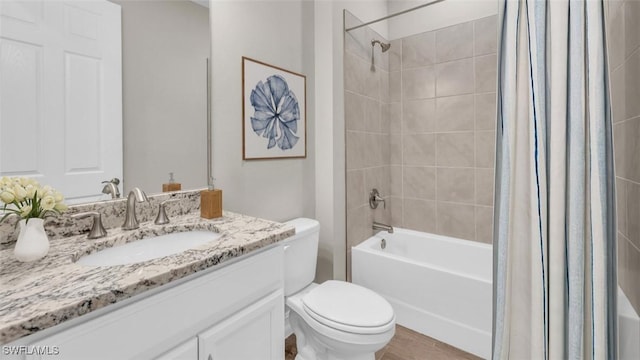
x: 274, y: 121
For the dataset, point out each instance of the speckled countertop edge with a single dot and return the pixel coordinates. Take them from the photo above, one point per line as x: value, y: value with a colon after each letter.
x: 39, y: 295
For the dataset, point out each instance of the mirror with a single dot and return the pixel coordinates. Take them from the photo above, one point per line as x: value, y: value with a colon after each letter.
x: 164, y: 46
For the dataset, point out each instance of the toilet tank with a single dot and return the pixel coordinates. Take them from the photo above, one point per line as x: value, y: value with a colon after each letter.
x: 300, y: 255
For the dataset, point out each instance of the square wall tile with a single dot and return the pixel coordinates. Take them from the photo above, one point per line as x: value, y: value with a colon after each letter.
x: 418, y: 83
x: 395, y: 149
x: 619, y: 149
x: 484, y: 224
x: 383, y: 78
x: 455, y: 78
x: 395, y: 182
x: 455, y: 113
x: 455, y: 149
x: 418, y: 50
x: 615, y: 38
x: 486, y: 116
x: 485, y: 149
x: 631, y: 26
x: 456, y: 185
x: 632, y: 85
x: 377, y: 178
x: 457, y: 220
x: 633, y: 213
x: 395, y: 118
x: 618, y: 100
x: 631, y: 149
x: 372, y: 115
x: 395, y: 86
x: 355, y: 189
x: 419, y: 182
x: 357, y: 228
x: 356, y: 152
x: 418, y: 116
x: 396, y: 206
x: 486, y: 73
x: 621, y: 206
x: 395, y: 55
x: 454, y: 42
x: 353, y: 74
x: 484, y: 186
x: 419, y: 215
x: 419, y: 150
x: 354, y: 111
x: 486, y: 35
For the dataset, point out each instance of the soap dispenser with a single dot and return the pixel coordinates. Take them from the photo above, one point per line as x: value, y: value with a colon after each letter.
x: 172, y: 185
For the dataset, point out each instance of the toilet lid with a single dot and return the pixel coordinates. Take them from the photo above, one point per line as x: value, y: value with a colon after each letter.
x: 348, y: 307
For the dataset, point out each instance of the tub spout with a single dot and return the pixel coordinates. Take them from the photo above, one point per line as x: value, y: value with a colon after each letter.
x: 385, y: 227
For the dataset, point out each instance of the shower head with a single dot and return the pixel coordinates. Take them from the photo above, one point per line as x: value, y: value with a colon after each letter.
x: 384, y: 46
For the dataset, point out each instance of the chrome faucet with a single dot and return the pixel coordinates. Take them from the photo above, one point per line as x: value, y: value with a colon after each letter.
x: 111, y: 187
x: 130, y: 220
x: 381, y: 226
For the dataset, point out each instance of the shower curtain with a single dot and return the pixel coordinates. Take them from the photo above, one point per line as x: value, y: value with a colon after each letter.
x: 554, y: 242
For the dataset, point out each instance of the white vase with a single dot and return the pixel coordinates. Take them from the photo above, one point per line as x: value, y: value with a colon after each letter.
x: 33, y: 242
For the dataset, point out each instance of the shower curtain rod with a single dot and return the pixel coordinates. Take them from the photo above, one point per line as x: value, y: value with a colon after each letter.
x: 394, y: 15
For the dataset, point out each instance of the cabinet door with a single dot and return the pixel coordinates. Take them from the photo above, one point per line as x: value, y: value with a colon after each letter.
x: 256, y: 332
x: 186, y: 351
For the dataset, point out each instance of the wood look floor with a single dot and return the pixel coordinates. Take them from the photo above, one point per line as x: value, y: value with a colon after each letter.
x: 405, y: 345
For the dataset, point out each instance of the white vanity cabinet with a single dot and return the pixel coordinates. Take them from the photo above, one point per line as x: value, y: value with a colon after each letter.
x: 234, y: 312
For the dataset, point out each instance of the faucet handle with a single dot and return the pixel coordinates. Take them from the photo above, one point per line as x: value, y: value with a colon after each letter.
x: 162, y: 217
x: 375, y: 199
x: 97, y: 229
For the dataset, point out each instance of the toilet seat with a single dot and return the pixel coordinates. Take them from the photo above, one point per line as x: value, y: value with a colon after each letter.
x: 349, y: 307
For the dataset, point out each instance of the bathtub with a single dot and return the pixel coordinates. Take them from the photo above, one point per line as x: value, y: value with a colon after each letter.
x: 441, y: 287
x: 438, y: 286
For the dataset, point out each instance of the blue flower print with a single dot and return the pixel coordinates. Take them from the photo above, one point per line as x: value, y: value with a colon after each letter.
x: 276, y: 112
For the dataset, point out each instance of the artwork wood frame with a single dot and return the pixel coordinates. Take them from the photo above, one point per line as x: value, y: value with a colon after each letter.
x: 274, y: 119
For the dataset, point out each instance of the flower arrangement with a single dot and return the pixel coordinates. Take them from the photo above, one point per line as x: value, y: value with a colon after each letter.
x: 26, y: 198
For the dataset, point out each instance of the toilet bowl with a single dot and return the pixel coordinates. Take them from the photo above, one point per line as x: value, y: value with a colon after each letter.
x: 335, y: 320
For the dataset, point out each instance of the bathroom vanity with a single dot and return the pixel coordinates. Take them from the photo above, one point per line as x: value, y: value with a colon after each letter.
x: 221, y: 300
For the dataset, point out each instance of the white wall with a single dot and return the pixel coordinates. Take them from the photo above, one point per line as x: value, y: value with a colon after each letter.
x: 278, y: 33
x: 436, y: 16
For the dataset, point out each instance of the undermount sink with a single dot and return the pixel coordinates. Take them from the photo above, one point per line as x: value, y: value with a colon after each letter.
x: 149, y: 248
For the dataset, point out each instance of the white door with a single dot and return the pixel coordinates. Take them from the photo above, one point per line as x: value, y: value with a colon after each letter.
x: 61, y: 93
x: 253, y: 333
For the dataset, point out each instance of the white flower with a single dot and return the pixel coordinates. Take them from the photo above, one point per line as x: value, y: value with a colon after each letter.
x: 25, y: 211
x: 58, y: 196
x: 45, y: 190
x: 19, y: 192
x: 7, y: 197
x: 48, y: 202
x: 61, y: 207
x: 31, y: 191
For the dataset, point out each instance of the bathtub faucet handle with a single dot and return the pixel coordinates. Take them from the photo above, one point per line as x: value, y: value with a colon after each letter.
x: 375, y: 199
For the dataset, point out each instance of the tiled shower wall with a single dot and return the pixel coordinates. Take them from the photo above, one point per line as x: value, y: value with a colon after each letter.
x: 367, y: 130
x: 442, y: 131
x: 420, y: 127
x: 623, y: 35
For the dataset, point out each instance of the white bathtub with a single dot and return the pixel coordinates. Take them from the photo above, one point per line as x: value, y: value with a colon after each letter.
x: 441, y: 287
x: 438, y: 286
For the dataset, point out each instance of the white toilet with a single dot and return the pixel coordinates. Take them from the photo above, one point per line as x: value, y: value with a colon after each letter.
x: 335, y: 320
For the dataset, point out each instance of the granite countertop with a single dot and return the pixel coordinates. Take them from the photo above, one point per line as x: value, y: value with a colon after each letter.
x: 35, y: 296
